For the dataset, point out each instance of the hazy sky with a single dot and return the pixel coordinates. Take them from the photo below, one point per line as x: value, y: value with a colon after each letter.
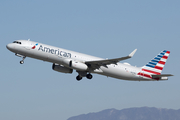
x: 103, y: 28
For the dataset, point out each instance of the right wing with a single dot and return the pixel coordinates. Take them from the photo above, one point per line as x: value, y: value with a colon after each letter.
x: 97, y: 63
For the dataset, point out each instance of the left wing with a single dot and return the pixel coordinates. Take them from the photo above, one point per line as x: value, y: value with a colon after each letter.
x: 99, y: 63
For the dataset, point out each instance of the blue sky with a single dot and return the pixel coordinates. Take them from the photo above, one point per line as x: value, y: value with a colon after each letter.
x: 107, y: 29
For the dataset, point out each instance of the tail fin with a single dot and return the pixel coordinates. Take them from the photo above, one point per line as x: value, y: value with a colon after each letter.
x: 156, y: 65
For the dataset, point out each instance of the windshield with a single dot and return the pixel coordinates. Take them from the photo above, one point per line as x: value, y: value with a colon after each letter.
x: 17, y: 42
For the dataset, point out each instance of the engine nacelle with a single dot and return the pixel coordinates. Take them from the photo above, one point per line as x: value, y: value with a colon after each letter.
x: 61, y: 68
x: 78, y: 65
x: 75, y: 65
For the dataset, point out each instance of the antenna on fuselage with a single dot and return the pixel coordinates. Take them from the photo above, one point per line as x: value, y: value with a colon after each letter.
x: 28, y: 39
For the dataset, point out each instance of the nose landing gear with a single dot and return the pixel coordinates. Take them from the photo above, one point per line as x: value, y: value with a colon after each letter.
x: 23, y: 57
x: 22, y: 61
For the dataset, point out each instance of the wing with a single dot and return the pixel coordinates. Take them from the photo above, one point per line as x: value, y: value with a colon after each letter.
x: 96, y: 64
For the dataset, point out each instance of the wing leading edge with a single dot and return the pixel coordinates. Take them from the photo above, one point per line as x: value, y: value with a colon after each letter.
x: 110, y: 61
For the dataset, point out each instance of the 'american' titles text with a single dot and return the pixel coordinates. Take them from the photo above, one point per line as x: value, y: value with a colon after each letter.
x: 53, y: 51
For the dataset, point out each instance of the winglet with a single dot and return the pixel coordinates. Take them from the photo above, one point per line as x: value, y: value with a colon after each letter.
x: 132, y: 53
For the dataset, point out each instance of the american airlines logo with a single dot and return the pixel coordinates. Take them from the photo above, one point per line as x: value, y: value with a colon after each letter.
x: 54, y: 51
x: 34, y: 46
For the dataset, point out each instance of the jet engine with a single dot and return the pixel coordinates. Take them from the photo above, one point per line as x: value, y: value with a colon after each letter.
x: 61, y: 68
x: 75, y: 65
x: 78, y: 65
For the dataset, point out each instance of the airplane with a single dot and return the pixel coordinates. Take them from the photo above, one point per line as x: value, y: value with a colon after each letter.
x: 65, y: 61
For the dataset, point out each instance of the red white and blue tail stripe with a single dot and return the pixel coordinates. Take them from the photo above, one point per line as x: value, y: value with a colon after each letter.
x: 156, y: 65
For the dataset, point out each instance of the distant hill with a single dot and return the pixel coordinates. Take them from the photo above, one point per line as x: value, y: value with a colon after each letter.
x: 143, y: 113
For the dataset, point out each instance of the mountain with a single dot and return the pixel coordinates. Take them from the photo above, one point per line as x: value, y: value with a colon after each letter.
x: 143, y: 113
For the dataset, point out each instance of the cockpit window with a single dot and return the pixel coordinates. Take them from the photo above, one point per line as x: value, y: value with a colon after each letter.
x: 17, y: 42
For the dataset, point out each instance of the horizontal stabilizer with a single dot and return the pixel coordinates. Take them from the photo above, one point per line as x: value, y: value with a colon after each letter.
x: 161, y: 76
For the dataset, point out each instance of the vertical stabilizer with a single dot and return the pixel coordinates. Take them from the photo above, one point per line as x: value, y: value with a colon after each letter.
x: 156, y: 65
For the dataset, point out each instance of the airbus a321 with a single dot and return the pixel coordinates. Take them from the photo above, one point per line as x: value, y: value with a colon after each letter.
x: 66, y: 61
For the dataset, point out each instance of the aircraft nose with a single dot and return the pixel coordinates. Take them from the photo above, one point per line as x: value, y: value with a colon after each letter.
x: 9, y: 46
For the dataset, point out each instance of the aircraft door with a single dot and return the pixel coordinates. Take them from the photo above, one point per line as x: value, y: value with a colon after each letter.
x: 27, y: 45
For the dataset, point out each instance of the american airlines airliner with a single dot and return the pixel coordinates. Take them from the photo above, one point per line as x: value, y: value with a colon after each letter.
x: 66, y: 61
